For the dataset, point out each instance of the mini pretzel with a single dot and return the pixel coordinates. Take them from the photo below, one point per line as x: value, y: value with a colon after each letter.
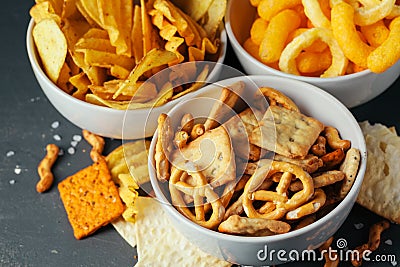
x: 44, y: 168
x: 277, y: 98
x: 311, y: 207
x: 253, y: 226
x: 319, y: 148
x: 200, y: 191
x: 333, y: 139
x: 280, y: 198
x: 197, y: 130
x: 163, y: 139
x: 309, y: 164
x: 187, y: 123
x: 181, y: 138
x: 332, y: 159
x: 324, y: 179
x: 97, y: 142
x: 374, y: 240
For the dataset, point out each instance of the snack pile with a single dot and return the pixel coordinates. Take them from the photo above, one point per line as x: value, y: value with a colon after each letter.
x: 325, y: 38
x: 102, y: 52
x: 293, y: 169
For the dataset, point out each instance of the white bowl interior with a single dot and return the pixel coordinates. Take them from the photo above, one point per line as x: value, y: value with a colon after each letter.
x: 242, y: 250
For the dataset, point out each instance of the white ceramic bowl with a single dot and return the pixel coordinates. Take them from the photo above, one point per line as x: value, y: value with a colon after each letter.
x: 105, y: 121
x: 250, y: 250
x: 352, y: 90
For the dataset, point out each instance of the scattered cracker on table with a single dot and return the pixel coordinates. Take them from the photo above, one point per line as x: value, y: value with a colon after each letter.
x: 381, y: 184
x: 90, y: 198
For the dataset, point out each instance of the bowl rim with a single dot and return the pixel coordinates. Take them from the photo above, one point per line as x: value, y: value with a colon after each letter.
x: 34, y: 61
x: 172, y: 211
x: 259, y: 64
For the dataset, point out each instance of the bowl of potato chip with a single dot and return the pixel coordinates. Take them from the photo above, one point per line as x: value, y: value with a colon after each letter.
x: 94, y: 61
x: 349, y: 50
x: 253, y: 165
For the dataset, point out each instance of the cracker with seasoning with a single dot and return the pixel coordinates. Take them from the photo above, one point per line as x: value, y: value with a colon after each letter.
x: 90, y: 198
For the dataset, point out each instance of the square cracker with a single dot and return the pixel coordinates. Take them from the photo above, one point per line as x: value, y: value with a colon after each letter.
x: 286, y: 132
x: 90, y: 198
x: 381, y: 185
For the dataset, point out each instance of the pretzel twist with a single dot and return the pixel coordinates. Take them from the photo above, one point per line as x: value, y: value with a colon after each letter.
x: 283, y: 203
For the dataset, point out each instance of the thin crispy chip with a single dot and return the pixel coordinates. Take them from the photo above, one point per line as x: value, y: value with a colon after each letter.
x: 196, y: 9
x: 81, y: 83
x: 44, y: 10
x: 90, y: 198
x: 137, y: 35
x: 52, y: 47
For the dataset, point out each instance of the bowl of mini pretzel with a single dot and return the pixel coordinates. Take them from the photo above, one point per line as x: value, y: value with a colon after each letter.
x: 257, y: 164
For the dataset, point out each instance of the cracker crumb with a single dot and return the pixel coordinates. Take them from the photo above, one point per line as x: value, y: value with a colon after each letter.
x: 57, y: 137
x: 10, y: 153
x: 55, y: 124
x: 358, y: 226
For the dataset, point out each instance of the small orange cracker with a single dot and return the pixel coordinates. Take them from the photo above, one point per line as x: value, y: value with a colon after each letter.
x: 90, y: 198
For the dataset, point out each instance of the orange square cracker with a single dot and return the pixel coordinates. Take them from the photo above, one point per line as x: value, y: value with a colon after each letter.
x: 90, y: 198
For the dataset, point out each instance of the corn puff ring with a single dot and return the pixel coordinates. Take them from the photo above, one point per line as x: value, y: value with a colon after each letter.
x: 200, y: 191
x: 287, y: 61
x: 253, y: 226
x: 283, y: 203
x: 366, y: 15
x: 318, y: 46
x: 276, y: 34
x: 314, y: 13
x: 309, y: 208
x: 44, y: 168
x: 388, y: 53
x: 334, y: 140
x: 344, y: 31
x: 275, y: 97
x: 267, y: 9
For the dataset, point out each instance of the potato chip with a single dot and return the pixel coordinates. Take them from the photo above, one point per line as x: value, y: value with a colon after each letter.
x: 106, y: 59
x: 81, y: 83
x: 52, y: 47
x: 154, y: 58
x: 90, y: 9
x: 200, y: 80
x: 215, y: 14
x: 137, y: 35
x: 42, y: 11
x: 94, y: 44
x: 196, y: 9
x: 63, y: 79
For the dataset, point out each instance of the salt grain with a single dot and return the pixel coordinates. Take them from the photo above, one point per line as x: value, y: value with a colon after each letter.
x: 389, y: 242
x: 56, y: 137
x: 71, y: 150
x: 358, y: 226
x: 12, y: 182
x: 74, y: 143
x: 10, y: 153
x: 60, y: 152
x: 55, y: 125
x: 17, y: 169
x: 77, y: 138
